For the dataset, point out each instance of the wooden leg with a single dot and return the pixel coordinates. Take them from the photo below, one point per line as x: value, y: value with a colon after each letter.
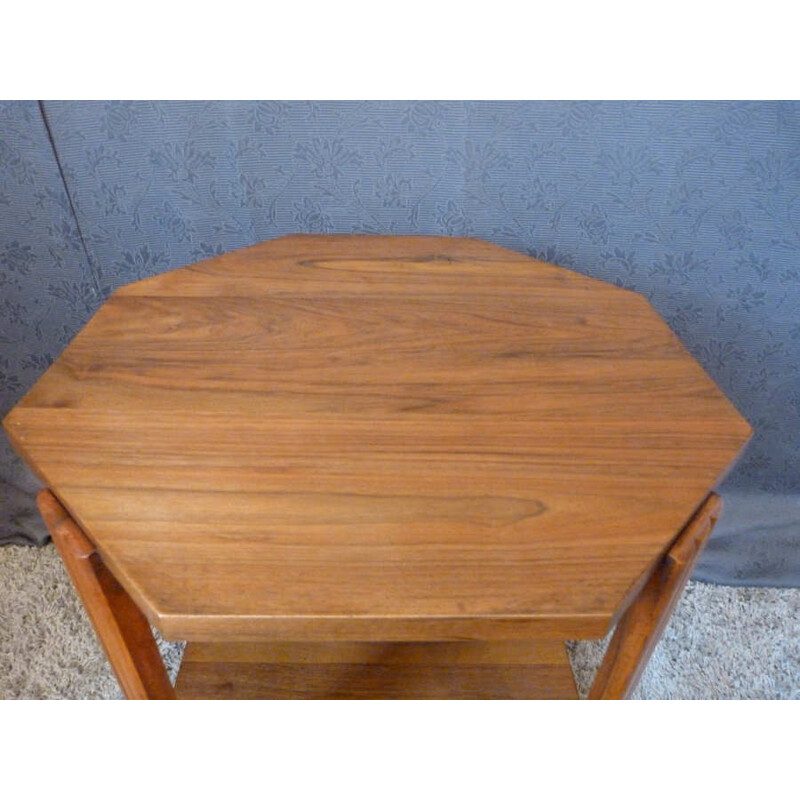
x: 120, y: 626
x: 642, y: 624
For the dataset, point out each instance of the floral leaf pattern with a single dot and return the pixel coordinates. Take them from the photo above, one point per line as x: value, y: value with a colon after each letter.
x: 694, y: 204
x: 47, y: 290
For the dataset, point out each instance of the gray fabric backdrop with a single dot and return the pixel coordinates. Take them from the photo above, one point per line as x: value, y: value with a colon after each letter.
x: 693, y: 204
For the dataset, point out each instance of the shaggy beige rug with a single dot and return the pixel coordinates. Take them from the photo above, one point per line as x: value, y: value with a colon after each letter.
x: 722, y: 642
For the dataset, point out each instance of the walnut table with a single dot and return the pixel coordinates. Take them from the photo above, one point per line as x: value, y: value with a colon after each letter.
x: 363, y: 466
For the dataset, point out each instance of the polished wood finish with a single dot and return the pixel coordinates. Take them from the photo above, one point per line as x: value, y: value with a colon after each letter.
x: 642, y: 624
x: 534, y: 670
x: 122, y: 629
x: 374, y: 438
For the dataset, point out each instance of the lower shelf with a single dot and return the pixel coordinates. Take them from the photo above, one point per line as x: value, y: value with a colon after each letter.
x: 516, y: 670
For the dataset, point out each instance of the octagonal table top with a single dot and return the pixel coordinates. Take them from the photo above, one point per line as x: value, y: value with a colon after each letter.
x: 366, y: 437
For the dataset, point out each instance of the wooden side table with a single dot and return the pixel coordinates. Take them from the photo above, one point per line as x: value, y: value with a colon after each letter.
x: 363, y: 466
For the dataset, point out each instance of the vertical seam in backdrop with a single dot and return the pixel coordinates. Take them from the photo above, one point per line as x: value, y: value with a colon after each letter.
x: 89, y: 261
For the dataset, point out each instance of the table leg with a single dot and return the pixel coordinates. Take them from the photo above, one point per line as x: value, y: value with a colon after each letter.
x: 122, y: 629
x: 642, y: 624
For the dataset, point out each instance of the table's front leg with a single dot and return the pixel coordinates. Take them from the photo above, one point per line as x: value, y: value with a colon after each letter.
x: 122, y: 629
x: 642, y: 624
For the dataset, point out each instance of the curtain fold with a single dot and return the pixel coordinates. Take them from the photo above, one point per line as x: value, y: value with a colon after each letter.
x: 46, y: 290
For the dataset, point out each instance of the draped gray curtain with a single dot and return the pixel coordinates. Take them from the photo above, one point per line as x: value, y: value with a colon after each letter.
x: 46, y: 290
x: 696, y: 205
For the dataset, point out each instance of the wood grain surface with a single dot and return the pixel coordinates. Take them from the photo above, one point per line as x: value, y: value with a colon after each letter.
x: 513, y: 670
x: 122, y: 629
x: 371, y: 438
x: 640, y: 627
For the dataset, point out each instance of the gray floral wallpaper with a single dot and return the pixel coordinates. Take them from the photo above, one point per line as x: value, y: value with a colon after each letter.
x: 46, y: 292
x: 694, y: 204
